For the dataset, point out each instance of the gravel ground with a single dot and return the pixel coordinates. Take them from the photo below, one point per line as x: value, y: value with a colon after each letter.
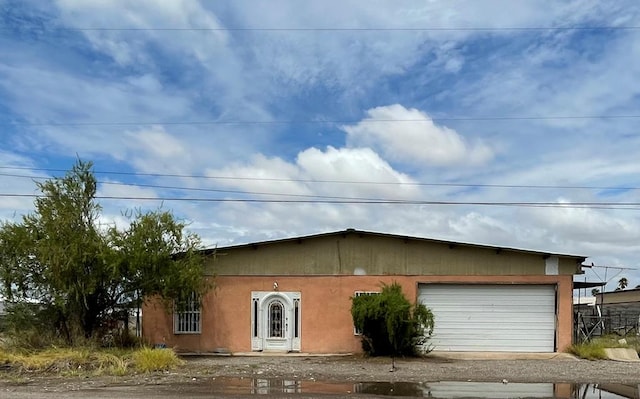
x: 418, y: 370
x: 208, y: 375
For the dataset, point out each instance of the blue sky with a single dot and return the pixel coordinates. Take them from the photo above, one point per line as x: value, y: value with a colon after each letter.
x: 448, y: 101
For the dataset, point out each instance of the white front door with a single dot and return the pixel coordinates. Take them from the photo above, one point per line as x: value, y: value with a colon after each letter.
x: 275, y: 321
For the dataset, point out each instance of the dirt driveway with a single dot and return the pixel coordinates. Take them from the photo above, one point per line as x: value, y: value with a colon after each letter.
x: 208, y: 376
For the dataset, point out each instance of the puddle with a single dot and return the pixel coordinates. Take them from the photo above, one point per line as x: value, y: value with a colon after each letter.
x: 451, y: 389
x: 608, y: 391
x: 460, y: 390
x: 263, y: 386
x: 442, y: 389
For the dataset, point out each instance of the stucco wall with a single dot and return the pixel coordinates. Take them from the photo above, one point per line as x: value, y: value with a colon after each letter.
x: 325, y: 309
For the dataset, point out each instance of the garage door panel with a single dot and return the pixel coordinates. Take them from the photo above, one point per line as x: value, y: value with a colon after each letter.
x: 515, y: 339
x: 483, y: 321
x: 481, y: 308
x: 537, y: 314
x: 482, y: 348
x: 491, y: 317
x: 469, y: 328
x: 484, y: 315
x: 491, y: 335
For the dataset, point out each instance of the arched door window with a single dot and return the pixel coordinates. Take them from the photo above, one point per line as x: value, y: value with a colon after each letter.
x: 276, y: 323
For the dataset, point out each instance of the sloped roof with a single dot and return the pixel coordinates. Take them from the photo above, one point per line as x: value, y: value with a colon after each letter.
x: 588, y: 284
x: 616, y: 292
x: 396, y: 236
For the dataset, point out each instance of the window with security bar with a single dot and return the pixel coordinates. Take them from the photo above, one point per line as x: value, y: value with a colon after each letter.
x: 187, y: 317
x: 360, y: 293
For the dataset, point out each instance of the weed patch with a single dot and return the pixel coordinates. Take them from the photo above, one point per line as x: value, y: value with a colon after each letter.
x: 594, y: 349
x: 147, y: 359
x: 588, y: 350
x: 82, y: 361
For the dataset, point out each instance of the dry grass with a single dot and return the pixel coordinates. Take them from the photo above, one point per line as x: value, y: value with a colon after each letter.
x: 588, y: 350
x: 147, y: 359
x: 77, y: 361
x: 594, y: 349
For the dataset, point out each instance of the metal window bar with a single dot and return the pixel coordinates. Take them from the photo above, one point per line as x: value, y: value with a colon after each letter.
x: 276, y: 327
x: 188, y: 319
x: 360, y: 293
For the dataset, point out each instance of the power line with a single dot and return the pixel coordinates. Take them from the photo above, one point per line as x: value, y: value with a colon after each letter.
x: 320, y: 122
x: 328, y: 199
x: 203, y: 189
x: 336, y: 29
x: 598, y: 205
x: 289, y: 180
x: 332, y: 199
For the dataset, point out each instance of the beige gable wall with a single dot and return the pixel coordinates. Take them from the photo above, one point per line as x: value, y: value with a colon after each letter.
x: 349, y: 254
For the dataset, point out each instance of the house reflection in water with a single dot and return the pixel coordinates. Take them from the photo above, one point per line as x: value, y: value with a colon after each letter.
x: 442, y: 389
x: 455, y: 389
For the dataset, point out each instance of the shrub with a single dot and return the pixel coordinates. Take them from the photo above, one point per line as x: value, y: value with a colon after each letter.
x: 28, y: 326
x: 147, y: 359
x: 390, y: 325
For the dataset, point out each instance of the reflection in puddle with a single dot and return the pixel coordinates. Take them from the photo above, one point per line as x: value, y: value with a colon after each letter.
x: 264, y: 386
x: 442, y: 389
x: 608, y: 391
x: 453, y: 389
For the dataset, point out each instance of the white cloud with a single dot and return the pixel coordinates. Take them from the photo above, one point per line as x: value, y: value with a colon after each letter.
x: 260, y: 174
x: 415, y: 139
x: 42, y: 94
x: 127, y: 48
x: 314, y: 174
x: 584, y: 226
x: 150, y: 76
x: 317, y: 172
x: 355, y: 165
x: 154, y: 148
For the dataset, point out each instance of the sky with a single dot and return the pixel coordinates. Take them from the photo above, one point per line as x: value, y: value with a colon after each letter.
x: 498, y: 122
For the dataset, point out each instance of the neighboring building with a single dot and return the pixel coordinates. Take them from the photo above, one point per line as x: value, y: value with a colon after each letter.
x: 584, y: 302
x: 295, y: 295
x: 620, y: 311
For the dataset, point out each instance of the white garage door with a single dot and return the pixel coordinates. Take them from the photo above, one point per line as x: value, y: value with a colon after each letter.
x: 484, y: 318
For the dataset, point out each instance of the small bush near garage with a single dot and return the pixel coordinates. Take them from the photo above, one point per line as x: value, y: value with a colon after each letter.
x: 390, y: 324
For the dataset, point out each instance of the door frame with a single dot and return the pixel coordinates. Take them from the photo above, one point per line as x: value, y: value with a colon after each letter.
x: 292, y: 314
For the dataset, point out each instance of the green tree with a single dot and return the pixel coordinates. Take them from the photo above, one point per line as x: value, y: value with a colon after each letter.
x: 622, y: 284
x: 82, y: 275
x: 155, y: 257
x: 390, y: 325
